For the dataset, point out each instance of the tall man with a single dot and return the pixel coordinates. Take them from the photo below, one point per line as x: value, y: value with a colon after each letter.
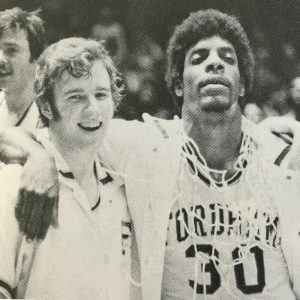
x: 204, y: 195
x: 77, y: 91
x: 219, y: 219
x: 226, y: 226
x: 22, y: 39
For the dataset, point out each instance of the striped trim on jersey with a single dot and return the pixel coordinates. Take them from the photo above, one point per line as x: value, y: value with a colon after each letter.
x: 279, y: 159
x: 288, y: 140
x: 8, y: 291
x: 205, y: 179
x: 104, y: 181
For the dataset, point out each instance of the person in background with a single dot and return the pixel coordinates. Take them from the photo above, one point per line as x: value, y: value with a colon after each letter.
x: 22, y: 40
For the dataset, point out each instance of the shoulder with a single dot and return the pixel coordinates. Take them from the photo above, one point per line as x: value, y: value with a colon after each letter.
x: 124, y: 132
x: 273, y: 148
x: 135, y: 134
x: 133, y: 140
x: 151, y: 125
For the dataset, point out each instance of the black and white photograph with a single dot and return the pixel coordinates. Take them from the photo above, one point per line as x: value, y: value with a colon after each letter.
x: 150, y: 149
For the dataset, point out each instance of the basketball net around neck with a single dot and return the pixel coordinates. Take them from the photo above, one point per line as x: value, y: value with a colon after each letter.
x: 253, y: 208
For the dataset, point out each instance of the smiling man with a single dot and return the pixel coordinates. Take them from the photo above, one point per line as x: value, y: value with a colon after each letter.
x: 81, y: 257
x: 22, y: 39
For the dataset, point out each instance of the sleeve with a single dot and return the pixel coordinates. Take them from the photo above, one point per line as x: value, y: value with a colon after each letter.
x: 10, y: 238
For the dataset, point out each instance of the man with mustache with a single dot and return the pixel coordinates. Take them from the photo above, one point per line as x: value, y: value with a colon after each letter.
x: 22, y: 39
x: 77, y: 89
x: 213, y: 216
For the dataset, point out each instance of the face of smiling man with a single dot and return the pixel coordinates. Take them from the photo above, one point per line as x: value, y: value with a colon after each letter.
x: 84, y: 106
x: 211, y: 84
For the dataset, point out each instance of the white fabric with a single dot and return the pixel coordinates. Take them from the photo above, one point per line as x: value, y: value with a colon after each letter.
x: 30, y: 121
x: 149, y: 157
x: 265, y: 270
x: 82, y: 258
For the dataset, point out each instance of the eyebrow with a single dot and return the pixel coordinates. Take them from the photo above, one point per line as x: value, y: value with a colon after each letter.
x: 225, y: 48
x: 11, y: 44
x: 77, y: 90
x: 104, y: 89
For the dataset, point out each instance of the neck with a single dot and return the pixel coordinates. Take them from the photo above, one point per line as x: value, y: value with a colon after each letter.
x: 18, y: 100
x: 80, y: 159
x: 218, y: 140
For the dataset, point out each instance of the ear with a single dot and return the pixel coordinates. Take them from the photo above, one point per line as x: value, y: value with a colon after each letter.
x: 178, y: 89
x: 242, y: 88
x: 46, y: 110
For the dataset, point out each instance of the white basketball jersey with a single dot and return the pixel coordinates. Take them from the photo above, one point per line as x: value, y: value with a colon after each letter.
x: 224, y: 242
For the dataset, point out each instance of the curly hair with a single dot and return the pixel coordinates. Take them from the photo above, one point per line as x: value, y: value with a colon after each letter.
x: 76, y: 56
x: 17, y: 19
x: 204, y: 24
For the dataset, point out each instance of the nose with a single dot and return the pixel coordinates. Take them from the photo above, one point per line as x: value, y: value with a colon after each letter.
x: 214, y: 64
x: 92, y: 104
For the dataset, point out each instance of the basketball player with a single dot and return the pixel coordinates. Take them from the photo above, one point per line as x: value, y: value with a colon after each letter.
x: 82, y: 257
x: 22, y: 39
x: 214, y: 215
x: 204, y: 194
x: 229, y: 230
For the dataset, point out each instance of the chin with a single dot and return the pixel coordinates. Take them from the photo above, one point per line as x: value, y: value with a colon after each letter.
x: 218, y: 105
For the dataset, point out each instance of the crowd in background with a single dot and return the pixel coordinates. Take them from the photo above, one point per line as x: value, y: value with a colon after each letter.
x: 136, y: 33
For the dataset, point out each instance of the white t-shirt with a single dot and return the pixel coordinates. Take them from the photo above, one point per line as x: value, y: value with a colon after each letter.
x: 82, y: 258
x: 29, y: 120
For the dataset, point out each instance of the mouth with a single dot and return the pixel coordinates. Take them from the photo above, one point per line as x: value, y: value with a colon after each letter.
x: 215, y: 82
x: 90, y: 128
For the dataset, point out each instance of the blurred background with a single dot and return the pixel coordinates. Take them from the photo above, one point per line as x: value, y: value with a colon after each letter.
x: 137, y: 32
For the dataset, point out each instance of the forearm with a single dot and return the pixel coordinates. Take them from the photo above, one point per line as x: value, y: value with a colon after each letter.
x: 16, y: 145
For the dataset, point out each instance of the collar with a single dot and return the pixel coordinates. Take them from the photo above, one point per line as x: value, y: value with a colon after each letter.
x: 42, y: 135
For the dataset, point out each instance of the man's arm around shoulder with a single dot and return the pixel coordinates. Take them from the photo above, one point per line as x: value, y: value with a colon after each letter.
x: 39, y: 187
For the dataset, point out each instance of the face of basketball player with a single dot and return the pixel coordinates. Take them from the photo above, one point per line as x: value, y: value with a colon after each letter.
x: 211, y: 83
x: 84, y: 106
x: 16, y: 69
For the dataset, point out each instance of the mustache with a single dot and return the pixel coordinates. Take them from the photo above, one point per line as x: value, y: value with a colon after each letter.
x: 215, y: 80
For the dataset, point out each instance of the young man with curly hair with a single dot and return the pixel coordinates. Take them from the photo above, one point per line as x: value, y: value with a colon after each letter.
x: 81, y: 257
x: 228, y: 231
